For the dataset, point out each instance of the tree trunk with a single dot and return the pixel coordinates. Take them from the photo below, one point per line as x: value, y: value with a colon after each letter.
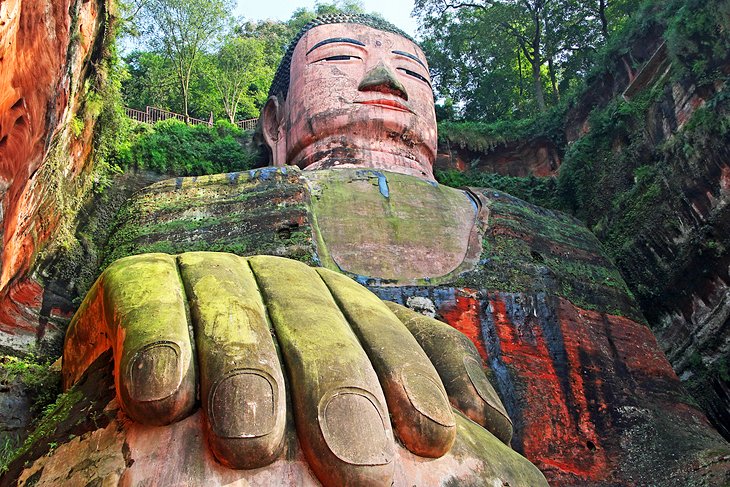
x: 185, y: 106
x: 519, y: 67
x: 184, y: 93
x: 553, y: 79
x: 537, y: 63
x: 604, y: 21
x: 539, y: 93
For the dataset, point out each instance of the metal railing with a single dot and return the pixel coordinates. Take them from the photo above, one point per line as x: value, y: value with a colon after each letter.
x: 153, y: 115
x: 249, y: 124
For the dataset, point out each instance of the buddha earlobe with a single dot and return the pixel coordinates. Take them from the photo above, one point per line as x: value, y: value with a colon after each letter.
x: 271, y: 123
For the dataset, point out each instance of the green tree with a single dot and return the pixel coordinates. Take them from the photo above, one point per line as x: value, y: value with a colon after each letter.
x: 485, y: 73
x: 303, y: 15
x: 522, y: 21
x: 151, y: 81
x: 509, y: 54
x: 241, y: 75
x: 183, y: 30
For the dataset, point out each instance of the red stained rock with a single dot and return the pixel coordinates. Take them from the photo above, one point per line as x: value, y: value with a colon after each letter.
x: 556, y: 427
x: 40, y: 76
x: 464, y: 316
x: 18, y: 308
x: 523, y: 158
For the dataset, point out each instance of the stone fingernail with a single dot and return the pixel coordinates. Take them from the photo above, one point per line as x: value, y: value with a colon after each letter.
x: 243, y: 405
x: 155, y: 372
x: 354, y: 429
x: 482, y: 385
x: 427, y: 397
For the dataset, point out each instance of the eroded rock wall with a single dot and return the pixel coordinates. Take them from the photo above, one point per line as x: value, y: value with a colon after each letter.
x: 539, y: 157
x: 49, y: 50
x: 659, y: 203
x: 646, y: 165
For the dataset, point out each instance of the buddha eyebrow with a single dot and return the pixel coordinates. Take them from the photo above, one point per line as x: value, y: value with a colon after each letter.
x: 411, y: 56
x: 336, y: 39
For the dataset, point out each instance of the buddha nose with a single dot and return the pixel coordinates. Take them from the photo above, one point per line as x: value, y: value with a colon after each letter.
x: 382, y: 79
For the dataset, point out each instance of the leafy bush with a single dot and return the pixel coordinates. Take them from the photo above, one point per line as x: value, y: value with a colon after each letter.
x: 41, y: 381
x: 538, y: 191
x: 484, y: 137
x: 174, y: 148
x: 698, y: 39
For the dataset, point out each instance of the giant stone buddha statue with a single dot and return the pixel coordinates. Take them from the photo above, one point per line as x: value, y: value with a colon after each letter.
x: 280, y: 360
x: 209, y: 368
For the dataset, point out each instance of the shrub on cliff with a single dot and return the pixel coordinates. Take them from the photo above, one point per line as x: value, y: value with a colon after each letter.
x: 174, y: 148
x: 538, y: 191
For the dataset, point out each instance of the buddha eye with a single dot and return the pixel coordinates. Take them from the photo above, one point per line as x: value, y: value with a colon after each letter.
x: 340, y: 58
x: 415, y: 75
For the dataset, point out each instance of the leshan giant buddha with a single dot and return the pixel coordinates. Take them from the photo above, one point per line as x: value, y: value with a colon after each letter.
x: 359, y: 97
x: 364, y: 382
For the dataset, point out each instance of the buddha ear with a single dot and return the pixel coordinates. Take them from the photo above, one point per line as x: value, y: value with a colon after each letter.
x: 272, y: 121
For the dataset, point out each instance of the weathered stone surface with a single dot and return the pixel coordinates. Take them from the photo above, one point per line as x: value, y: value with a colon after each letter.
x: 36, y: 102
x: 52, y: 56
x: 15, y: 404
x: 263, y: 211
x: 117, y: 451
x: 391, y: 227
x: 542, y: 305
x: 590, y: 393
x: 26, y: 387
x: 592, y: 396
x: 668, y: 234
x: 366, y: 103
x: 352, y: 366
x: 539, y: 157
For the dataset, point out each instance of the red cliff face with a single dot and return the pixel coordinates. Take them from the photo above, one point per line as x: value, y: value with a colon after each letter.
x: 539, y: 157
x: 45, y: 50
x: 46, y: 54
x: 593, y: 399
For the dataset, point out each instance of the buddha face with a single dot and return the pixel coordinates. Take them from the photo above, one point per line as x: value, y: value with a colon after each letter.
x: 358, y: 97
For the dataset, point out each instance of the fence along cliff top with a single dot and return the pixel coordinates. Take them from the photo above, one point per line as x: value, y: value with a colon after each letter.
x: 153, y: 115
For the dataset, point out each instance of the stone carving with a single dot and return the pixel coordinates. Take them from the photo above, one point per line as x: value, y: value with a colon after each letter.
x: 358, y: 96
x: 361, y: 372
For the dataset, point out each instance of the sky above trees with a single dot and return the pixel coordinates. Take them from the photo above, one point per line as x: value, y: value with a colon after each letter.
x: 397, y: 12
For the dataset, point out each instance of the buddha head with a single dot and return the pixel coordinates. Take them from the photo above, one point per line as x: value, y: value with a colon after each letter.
x: 352, y: 91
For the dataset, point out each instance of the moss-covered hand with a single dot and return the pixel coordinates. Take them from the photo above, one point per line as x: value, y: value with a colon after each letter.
x: 355, y: 364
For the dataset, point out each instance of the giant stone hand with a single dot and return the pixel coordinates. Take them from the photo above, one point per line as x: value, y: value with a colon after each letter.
x: 353, y: 365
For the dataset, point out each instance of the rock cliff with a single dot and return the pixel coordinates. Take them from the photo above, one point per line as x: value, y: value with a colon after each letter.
x: 644, y: 163
x: 51, y: 71
x: 659, y: 199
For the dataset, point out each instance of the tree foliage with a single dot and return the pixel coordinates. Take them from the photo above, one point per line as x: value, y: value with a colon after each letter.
x: 498, y: 59
x: 174, y: 148
x: 240, y: 75
x: 182, y: 30
x: 151, y: 81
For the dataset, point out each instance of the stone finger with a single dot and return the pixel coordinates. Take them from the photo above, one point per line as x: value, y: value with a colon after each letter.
x: 241, y: 381
x: 145, y: 308
x: 418, y: 404
x: 340, y: 412
x: 87, y: 336
x: 458, y: 363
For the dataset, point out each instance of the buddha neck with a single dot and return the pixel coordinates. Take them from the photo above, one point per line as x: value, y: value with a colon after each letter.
x: 328, y: 155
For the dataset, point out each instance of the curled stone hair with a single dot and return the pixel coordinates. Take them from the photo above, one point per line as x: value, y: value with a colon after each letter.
x: 280, y: 85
